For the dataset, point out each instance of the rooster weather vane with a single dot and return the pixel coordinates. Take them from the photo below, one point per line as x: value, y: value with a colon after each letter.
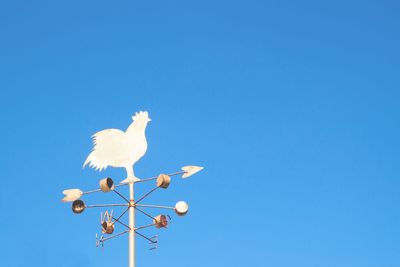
x: 115, y: 148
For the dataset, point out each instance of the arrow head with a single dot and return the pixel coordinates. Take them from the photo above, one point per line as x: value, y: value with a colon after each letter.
x: 190, y: 170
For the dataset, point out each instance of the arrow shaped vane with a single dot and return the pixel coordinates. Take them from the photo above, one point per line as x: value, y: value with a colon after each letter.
x: 190, y: 170
x: 74, y: 194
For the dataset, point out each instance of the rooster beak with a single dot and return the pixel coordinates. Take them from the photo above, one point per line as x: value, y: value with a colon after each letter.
x: 149, y: 119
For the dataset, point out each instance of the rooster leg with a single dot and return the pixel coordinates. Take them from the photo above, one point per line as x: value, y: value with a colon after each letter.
x: 129, y: 172
x: 131, y: 176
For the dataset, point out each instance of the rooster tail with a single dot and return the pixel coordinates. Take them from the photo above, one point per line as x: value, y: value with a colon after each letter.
x: 94, y: 162
x: 87, y: 161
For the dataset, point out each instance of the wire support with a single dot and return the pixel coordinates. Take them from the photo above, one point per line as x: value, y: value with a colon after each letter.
x: 118, y: 221
x: 143, y: 197
x: 120, y: 216
x: 145, y: 213
x: 119, y: 194
x: 150, y: 240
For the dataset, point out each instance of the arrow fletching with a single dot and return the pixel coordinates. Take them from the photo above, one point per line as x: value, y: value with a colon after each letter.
x: 190, y: 170
x: 71, y: 195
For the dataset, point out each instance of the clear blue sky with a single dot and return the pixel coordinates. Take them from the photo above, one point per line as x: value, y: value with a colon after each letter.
x: 291, y: 106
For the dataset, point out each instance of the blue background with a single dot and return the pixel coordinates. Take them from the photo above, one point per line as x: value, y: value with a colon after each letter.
x: 291, y: 106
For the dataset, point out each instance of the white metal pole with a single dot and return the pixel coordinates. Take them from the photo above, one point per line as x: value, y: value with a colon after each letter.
x: 132, y: 226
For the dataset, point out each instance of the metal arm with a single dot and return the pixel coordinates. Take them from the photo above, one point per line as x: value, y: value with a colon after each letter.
x: 126, y: 183
x: 155, y: 177
x: 106, y: 205
x: 155, y: 206
x: 102, y: 239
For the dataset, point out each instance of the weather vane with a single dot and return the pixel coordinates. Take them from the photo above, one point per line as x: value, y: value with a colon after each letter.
x: 115, y: 148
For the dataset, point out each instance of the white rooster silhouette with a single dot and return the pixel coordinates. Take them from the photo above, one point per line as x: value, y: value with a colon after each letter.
x: 115, y: 148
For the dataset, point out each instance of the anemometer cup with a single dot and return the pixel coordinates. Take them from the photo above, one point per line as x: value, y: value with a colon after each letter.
x: 107, y: 228
x: 181, y: 208
x: 160, y: 221
x: 78, y: 206
x: 163, y: 181
x: 106, y: 184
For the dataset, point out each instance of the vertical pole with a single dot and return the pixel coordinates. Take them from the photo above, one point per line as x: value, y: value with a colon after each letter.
x: 132, y: 226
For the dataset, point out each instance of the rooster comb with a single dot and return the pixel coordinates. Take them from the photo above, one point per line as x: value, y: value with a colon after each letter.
x: 140, y: 115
